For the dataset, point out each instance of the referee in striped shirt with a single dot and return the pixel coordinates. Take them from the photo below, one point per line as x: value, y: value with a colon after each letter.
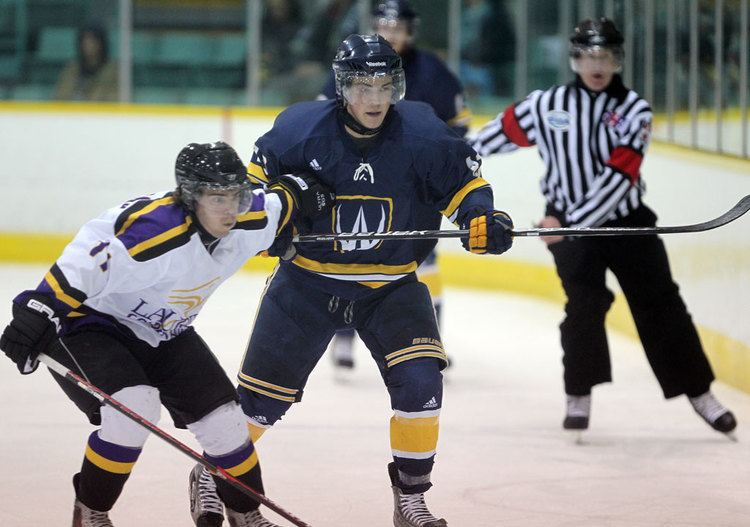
x: 592, y: 135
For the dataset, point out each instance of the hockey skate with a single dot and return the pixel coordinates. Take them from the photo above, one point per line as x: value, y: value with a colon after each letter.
x: 714, y: 413
x: 410, y: 510
x: 248, y: 519
x: 578, y: 411
x: 85, y: 517
x: 205, y: 506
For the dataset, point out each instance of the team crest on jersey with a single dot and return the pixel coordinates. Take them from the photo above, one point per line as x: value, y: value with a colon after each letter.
x: 361, y: 214
x: 364, y: 172
x: 475, y: 165
x: 558, y: 119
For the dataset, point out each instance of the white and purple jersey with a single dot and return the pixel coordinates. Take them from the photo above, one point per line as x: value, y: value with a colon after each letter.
x: 142, y: 266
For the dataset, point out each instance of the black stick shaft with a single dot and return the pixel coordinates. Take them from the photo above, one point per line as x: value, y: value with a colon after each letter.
x: 148, y: 425
x: 735, y: 212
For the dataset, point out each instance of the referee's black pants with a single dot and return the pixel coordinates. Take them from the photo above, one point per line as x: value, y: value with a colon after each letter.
x: 664, y: 325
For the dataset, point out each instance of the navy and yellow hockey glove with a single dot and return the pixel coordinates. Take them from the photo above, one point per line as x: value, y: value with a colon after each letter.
x: 311, y: 197
x: 32, y: 330
x: 489, y: 233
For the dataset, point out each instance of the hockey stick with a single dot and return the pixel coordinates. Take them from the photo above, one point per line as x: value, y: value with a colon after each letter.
x: 732, y: 214
x: 148, y: 425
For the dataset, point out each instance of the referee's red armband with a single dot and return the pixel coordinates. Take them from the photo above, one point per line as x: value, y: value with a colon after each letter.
x: 512, y: 128
x: 627, y: 161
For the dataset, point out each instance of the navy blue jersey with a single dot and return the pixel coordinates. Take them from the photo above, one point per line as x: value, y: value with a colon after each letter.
x: 415, y: 169
x: 428, y: 80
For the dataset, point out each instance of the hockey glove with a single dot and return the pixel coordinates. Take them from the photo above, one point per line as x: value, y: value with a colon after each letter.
x: 282, y: 246
x: 32, y: 330
x: 311, y: 197
x: 489, y: 233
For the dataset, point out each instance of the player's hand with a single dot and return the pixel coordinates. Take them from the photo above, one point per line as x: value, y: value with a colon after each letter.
x: 550, y: 222
x: 489, y: 233
x: 311, y: 197
x: 282, y: 246
x: 29, y: 333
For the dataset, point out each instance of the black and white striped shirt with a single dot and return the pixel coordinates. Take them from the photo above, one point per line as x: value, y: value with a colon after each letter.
x: 591, y: 143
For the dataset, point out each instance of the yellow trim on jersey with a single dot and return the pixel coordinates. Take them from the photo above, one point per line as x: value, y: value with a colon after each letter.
x: 103, y: 463
x: 414, y: 435
x: 244, y: 467
x: 459, y: 196
x: 290, y: 391
x: 353, y: 269
x: 145, y: 210
x: 59, y: 293
x: 197, y: 288
x: 256, y: 171
x: 266, y: 393
x: 252, y: 215
x: 161, y: 238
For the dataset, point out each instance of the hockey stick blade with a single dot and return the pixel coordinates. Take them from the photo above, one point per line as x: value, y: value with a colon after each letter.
x: 732, y: 214
x: 68, y: 375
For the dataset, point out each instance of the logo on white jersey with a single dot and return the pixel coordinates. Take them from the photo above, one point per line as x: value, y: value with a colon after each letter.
x: 364, y: 172
x: 432, y: 403
x: 558, y: 119
x: 315, y: 165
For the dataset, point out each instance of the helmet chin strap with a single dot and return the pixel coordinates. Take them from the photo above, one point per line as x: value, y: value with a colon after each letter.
x: 355, y: 125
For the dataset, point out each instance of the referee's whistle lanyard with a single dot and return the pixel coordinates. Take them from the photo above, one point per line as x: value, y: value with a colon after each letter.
x: 333, y: 306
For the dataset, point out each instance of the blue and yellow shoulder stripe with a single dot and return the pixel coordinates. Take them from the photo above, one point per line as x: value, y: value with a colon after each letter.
x: 152, y: 227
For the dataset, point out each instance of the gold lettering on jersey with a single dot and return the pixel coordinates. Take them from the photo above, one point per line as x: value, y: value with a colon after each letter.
x: 426, y: 340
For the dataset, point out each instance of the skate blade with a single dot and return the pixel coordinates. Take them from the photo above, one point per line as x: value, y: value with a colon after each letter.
x: 732, y: 437
x: 576, y: 436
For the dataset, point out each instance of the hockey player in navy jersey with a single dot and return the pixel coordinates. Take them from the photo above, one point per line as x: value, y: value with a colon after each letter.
x: 393, y: 166
x: 428, y: 80
x: 117, y: 309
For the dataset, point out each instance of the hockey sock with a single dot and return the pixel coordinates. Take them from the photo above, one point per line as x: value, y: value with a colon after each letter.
x: 105, y: 469
x: 243, y: 465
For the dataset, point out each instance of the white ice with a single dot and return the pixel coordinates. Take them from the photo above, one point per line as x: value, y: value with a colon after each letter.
x: 503, y: 458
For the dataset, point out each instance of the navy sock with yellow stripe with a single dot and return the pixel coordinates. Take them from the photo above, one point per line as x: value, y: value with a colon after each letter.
x: 243, y: 465
x: 105, y: 469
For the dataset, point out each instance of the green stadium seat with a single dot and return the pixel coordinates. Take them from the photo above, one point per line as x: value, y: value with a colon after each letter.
x: 57, y: 44
x: 143, y: 47
x: 230, y: 51
x: 32, y: 92
x: 151, y: 95
x: 185, y: 49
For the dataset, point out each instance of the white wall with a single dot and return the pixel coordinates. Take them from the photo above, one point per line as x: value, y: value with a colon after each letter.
x: 63, y: 166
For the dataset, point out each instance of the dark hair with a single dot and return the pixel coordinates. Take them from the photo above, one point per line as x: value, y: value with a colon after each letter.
x: 100, y: 35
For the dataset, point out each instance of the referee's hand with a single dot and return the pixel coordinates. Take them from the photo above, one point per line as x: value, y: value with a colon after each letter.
x: 550, y: 222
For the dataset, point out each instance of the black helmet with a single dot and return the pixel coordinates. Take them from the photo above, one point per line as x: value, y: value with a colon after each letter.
x: 595, y: 35
x: 367, y: 56
x: 391, y: 11
x: 209, y: 166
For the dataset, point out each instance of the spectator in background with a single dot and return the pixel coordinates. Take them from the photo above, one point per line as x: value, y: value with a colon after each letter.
x: 282, y: 20
x: 91, y: 77
x: 487, y: 46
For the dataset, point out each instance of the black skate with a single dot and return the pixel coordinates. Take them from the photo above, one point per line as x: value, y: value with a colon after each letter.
x: 205, y: 506
x: 578, y: 411
x: 712, y: 412
x: 85, y: 517
x: 410, y: 510
x: 248, y: 519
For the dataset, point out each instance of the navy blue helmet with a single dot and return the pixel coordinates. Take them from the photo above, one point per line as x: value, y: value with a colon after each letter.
x: 367, y: 56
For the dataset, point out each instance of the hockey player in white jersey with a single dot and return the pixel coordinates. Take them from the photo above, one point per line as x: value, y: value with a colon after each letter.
x: 117, y: 309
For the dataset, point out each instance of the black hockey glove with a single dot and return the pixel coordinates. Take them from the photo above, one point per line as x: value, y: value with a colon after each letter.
x: 311, y: 197
x: 282, y: 246
x: 489, y: 233
x: 32, y: 330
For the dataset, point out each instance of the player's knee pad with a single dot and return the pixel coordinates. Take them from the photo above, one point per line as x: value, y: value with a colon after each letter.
x: 416, y: 385
x: 261, y: 411
x: 221, y: 431
x: 121, y: 430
